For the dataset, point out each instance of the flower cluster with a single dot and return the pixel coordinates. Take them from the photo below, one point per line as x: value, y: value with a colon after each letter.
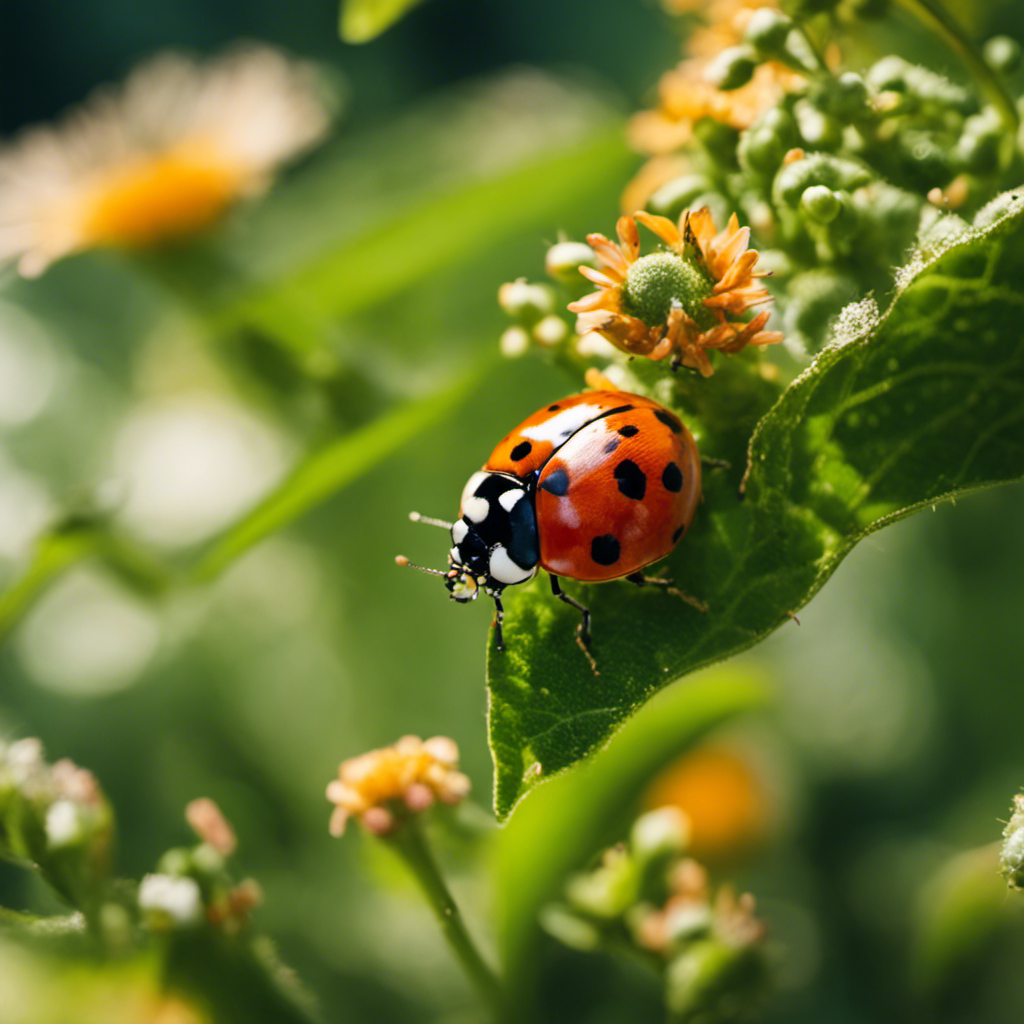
x: 682, y: 301
x: 839, y: 171
x: 56, y: 818
x: 381, y: 787
x: 648, y: 894
x: 160, y: 158
x: 192, y: 886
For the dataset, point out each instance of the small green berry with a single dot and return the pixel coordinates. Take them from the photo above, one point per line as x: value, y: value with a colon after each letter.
x: 767, y: 31
x: 1002, y: 54
x: 525, y: 301
x: 675, y: 196
x: 564, y: 259
x: 820, y: 203
x: 732, y: 67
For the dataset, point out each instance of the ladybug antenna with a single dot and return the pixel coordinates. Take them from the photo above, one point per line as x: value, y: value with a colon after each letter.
x: 429, y: 520
x: 403, y: 561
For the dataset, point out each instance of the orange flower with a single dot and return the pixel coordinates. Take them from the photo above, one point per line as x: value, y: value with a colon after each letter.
x: 679, y: 300
x: 162, y: 157
x: 410, y: 775
x: 728, y: 805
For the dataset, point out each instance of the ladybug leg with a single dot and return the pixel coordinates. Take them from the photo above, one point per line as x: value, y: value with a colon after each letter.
x: 668, y: 586
x: 499, y: 618
x: 583, y: 629
x: 709, y: 463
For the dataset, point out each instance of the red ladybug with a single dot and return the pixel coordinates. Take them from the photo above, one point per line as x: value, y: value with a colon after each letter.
x: 592, y: 487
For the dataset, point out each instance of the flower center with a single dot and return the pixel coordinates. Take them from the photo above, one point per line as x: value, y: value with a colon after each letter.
x: 655, y: 282
x: 166, y: 196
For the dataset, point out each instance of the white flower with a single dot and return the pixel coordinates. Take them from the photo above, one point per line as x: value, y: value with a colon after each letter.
x: 162, y: 156
x: 176, y: 899
x: 63, y: 824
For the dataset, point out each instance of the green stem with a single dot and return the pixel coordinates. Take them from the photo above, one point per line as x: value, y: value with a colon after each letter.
x: 60, y: 549
x: 935, y: 17
x: 409, y: 843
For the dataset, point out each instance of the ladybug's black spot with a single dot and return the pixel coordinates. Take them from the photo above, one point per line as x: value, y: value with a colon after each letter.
x: 669, y: 420
x: 672, y: 477
x: 557, y: 483
x: 521, y: 450
x: 629, y: 430
x: 611, y: 446
x: 605, y: 549
x: 678, y: 533
x: 632, y: 480
x: 554, y: 408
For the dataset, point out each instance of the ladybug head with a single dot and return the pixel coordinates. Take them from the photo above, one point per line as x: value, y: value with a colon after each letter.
x: 462, y: 583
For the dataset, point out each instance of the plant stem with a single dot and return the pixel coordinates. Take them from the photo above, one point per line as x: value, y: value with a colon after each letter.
x: 409, y: 843
x: 931, y: 14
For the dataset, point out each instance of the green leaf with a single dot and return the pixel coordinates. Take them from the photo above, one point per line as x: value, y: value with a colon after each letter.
x: 363, y: 20
x: 321, y: 475
x: 563, y: 823
x: 900, y: 411
x: 300, y: 308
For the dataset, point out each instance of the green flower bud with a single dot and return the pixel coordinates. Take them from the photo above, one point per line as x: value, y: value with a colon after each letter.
x: 978, y: 148
x: 1011, y: 856
x: 564, y: 259
x: 889, y: 75
x: 818, y: 169
x: 606, y: 892
x: 659, y: 834
x: 820, y: 203
x: 206, y: 860
x: 526, y: 302
x: 894, y: 74
x: 847, y: 221
x: 850, y: 95
x: 677, y: 195
x: 767, y: 31
x: 514, y: 342
x: 550, y: 331
x: 1002, y: 53
x: 176, y: 861
x: 718, y: 139
x: 732, y: 68
x: 818, y: 128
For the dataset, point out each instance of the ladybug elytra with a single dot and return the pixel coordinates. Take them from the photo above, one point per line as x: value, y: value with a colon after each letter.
x: 592, y: 487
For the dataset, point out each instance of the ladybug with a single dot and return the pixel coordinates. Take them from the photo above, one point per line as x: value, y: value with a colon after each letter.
x: 592, y: 487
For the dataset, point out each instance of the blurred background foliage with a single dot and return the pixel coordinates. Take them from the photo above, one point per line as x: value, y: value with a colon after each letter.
x: 470, y: 135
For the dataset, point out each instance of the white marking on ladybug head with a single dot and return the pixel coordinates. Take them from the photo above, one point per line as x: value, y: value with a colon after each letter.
x: 504, y: 570
x: 562, y: 424
x: 472, y: 484
x: 459, y: 531
x: 475, y: 509
x: 454, y: 557
x: 508, y: 498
